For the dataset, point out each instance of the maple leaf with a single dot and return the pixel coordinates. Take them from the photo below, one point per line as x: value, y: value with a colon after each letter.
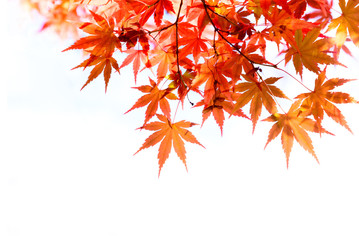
x: 101, y: 46
x: 236, y: 62
x: 154, y: 98
x: 259, y: 39
x: 217, y: 106
x: 166, y: 60
x: 255, y: 7
x: 322, y: 99
x: 347, y: 22
x: 157, y: 8
x: 309, y: 52
x: 212, y: 75
x: 103, y: 64
x: 321, y: 13
x: 136, y: 57
x: 265, y: 4
x: 169, y: 33
x: 260, y: 94
x: 182, y: 82
x: 132, y: 35
x: 293, y: 125
x: 283, y: 26
x: 230, y: 20
x: 193, y: 45
x: 103, y: 40
x: 58, y: 16
x: 197, y: 11
x: 120, y: 10
x: 298, y: 7
x: 171, y: 134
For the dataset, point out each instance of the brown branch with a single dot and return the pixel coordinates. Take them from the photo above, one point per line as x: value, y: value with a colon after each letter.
x: 222, y: 16
x: 161, y: 29
x: 177, y: 37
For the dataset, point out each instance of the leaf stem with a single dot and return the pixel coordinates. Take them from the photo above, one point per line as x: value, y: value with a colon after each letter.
x: 294, y: 78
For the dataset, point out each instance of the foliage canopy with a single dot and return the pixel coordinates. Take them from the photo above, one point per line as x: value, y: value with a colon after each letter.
x: 218, y: 50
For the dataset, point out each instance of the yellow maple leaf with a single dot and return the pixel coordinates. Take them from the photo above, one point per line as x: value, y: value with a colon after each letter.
x: 309, y: 52
x: 260, y: 93
x: 347, y: 22
x: 293, y: 125
x: 322, y: 99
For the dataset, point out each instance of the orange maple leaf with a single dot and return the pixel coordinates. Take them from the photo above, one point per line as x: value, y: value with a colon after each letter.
x: 217, y: 106
x: 101, y: 45
x: 170, y: 134
x: 347, y: 22
x: 293, y: 125
x: 309, y: 52
x: 211, y: 73
x: 103, y: 64
x: 103, y: 40
x: 322, y: 99
x: 166, y: 60
x: 260, y: 94
x: 154, y: 98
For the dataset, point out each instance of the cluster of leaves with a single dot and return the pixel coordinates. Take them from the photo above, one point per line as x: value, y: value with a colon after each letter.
x: 60, y: 16
x: 218, y: 50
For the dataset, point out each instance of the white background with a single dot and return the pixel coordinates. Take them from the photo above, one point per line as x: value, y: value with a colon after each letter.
x: 67, y: 169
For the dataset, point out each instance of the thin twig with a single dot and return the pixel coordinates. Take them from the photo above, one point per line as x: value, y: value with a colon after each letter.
x: 177, y: 53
